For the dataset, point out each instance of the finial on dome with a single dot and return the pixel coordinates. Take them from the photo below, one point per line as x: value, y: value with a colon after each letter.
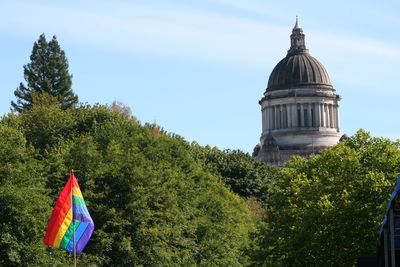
x: 296, y: 26
x: 297, y: 42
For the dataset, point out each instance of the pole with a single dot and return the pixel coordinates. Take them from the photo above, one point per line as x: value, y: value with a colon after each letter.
x: 73, y: 222
x: 74, y: 245
x: 391, y: 231
x: 385, y: 245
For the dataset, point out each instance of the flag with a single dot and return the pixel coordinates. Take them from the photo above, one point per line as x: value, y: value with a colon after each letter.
x: 70, y: 224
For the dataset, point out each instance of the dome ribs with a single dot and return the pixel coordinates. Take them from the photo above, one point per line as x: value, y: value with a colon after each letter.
x: 314, y: 71
x: 298, y: 70
x: 308, y: 76
x: 292, y: 77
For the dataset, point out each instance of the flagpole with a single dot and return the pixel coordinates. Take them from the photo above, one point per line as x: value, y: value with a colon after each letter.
x: 58, y: 221
x: 73, y: 223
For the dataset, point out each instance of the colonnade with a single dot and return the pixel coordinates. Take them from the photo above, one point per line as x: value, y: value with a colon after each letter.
x: 297, y: 115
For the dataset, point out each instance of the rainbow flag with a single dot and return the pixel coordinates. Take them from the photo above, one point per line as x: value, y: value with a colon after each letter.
x: 70, y: 215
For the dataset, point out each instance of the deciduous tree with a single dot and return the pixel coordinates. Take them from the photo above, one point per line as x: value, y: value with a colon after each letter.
x: 326, y: 211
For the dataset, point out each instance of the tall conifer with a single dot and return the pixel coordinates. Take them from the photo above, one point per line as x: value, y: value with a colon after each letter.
x: 47, y: 72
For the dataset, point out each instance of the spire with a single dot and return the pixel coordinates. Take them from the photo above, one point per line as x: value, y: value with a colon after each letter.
x: 297, y: 42
x: 297, y: 23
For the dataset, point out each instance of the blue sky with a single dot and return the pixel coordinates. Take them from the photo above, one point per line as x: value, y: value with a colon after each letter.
x: 198, y: 68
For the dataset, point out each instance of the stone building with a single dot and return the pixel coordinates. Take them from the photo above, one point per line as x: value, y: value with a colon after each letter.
x: 300, y: 107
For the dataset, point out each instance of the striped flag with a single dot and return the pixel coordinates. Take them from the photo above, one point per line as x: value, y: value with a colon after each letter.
x: 70, y: 226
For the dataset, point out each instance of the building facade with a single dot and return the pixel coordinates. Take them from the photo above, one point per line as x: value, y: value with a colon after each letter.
x: 300, y: 107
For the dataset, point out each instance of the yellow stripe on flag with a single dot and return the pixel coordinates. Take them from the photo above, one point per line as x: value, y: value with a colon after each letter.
x: 63, y: 228
x: 76, y: 192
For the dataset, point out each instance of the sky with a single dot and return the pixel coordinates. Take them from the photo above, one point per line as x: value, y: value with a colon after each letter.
x: 199, y: 68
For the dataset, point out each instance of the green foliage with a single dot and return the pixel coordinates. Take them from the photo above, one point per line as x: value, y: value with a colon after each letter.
x: 157, y: 200
x: 46, y: 125
x: 152, y: 201
x: 47, y: 72
x: 326, y: 211
x: 244, y: 174
x: 24, y: 204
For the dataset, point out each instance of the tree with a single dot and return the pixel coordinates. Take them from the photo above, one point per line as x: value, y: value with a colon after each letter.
x: 152, y: 202
x: 326, y: 211
x: 25, y: 206
x: 244, y: 174
x: 47, y: 72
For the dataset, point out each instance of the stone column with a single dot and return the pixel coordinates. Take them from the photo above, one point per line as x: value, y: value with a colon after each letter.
x: 332, y: 115
x: 328, y: 123
x: 266, y: 119
x: 301, y: 115
x: 271, y: 109
x: 323, y: 117
x: 288, y: 117
x: 282, y: 116
x: 271, y: 118
x: 294, y: 115
x: 337, y: 118
x: 317, y: 113
x: 309, y: 116
x: 276, y: 117
x: 263, y: 119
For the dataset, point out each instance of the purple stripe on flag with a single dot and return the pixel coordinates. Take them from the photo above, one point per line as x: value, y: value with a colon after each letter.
x: 78, y: 233
x: 79, y: 217
x: 84, y: 238
x: 79, y: 209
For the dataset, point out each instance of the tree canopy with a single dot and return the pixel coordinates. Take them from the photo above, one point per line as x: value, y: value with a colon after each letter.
x: 152, y: 201
x: 326, y: 211
x: 244, y: 174
x: 46, y: 72
x: 158, y: 200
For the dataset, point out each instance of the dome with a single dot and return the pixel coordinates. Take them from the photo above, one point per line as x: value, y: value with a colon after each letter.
x: 298, y: 68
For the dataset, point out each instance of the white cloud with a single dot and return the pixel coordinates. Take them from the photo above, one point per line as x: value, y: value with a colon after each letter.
x: 187, y: 32
x: 180, y: 31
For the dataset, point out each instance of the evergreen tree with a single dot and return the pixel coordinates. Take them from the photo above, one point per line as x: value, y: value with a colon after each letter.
x: 47, y: 72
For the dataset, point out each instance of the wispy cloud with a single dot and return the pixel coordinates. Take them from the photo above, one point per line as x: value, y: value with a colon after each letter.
x: 187, y: 32
x: 178, y: 31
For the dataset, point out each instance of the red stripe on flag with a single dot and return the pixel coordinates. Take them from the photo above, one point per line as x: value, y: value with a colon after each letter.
x: 74, y: 181
x: 60, y: 210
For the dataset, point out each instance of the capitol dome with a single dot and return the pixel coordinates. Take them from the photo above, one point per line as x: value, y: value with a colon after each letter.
x: 299, y: 108
x: 298, y: 69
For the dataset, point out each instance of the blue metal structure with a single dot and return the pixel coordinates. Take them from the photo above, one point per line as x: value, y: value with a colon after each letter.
x: 389, y: 249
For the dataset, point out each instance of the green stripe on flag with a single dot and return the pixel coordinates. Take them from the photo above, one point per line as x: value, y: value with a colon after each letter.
x: 78, y: 201
x: 68, y: 235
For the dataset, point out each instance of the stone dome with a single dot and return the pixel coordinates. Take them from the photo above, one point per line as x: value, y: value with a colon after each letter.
x: 299, y: 109
x: 298, y: 69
